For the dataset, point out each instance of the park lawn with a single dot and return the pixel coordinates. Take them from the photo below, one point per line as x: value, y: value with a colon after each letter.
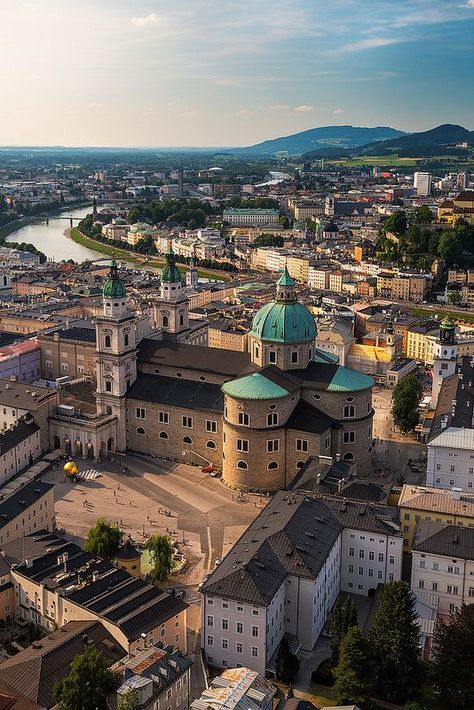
x: 152, y: 263
x: 387, y: 160
x: 455, y: 315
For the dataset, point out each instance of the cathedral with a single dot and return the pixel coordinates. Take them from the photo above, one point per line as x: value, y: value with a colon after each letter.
x: 255, y: 416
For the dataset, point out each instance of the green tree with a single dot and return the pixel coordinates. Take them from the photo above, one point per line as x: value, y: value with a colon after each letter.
x: 287, y: 664
x: 88, y: 683
x: 342, y: 618
x: 129, y: 701
x: 405, y: 402
x: 395, y: 640
x: 396, y: 223
x: 268, y: 240
x: 450, y: 248
x: 422, y: 215
x: 452, y: 672
x: 160, y: 550
x: 454, y: 297
x: 352, y: 671
x: 103, y: 540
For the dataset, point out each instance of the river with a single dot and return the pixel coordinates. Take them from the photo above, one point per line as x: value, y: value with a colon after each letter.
x: 51, y: 240
x: 275, y: 178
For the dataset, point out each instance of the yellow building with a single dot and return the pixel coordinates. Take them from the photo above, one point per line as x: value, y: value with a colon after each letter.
x: 228, y: 335
x: 462, y: 206
x: 298, y: 267
x: 436, y: 504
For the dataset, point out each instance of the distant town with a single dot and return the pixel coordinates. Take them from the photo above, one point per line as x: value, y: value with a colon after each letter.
x: 237, y: 426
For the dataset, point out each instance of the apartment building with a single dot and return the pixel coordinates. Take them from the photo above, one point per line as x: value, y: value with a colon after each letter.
x: 318, y: 276
x: 228, y: 335
x: 56, y: 581
x: 237, y: 689
x: 418, y: 346
x: 26, y: 509
x: 160, y: 676
x: 20, y: 446
x: 443, y: 565
x: 417, y: 503
x: 298, y: 266
x: 277, y: 580
x: 248, y: 217
x: 451, y: 459
x: 18, y: 400
x: 69, y: 352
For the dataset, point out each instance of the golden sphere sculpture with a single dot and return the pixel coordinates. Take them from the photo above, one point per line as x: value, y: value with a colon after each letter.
x: 70, y: 469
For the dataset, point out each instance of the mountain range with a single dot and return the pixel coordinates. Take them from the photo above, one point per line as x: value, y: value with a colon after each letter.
x: 321, y: 138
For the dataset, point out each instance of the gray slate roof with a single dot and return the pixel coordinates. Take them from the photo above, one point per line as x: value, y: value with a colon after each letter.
x: 455, y: 541
x: 189, y: 394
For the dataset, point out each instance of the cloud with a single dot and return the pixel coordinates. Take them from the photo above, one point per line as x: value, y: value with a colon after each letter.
x: 371, y: 43
x: 338, y: 110
x: 304, y: 108
x: 470, y: 3
x: 279, y: 107
x: 146, y: 21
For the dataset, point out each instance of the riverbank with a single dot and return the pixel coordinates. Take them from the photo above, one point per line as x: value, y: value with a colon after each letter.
x: 153, y: 263
x: 17, y: 224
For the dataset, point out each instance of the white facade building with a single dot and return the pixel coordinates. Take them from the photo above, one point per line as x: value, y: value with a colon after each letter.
x: 451, y: 459
x: 286, y: 571
x: 422, y: 183
x: 443, y: 565
x: 247, y: 217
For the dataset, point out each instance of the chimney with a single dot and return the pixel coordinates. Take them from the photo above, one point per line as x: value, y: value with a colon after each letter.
x: 456, y: 493
x: 95, y: 576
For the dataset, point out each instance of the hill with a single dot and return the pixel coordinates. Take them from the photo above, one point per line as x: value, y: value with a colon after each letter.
x: 320, y: 138
x: 433, y: 142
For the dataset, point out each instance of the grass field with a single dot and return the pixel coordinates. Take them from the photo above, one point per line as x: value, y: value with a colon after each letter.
x: 387, y: 160
x: 455, y: 315
x: 155, y: 263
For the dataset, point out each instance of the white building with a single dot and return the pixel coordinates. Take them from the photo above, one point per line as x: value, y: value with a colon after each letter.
x: 451, y: 459
x: 422, y: 183
x: 443, y: 564
x: 286, y: 571
x: 239, y: 217
x: 444, y: 357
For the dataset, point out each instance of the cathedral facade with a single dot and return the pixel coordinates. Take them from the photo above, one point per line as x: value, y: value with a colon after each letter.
x: 255, y: 416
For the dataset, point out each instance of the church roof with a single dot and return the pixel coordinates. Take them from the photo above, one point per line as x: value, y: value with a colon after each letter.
x: 254, y: 386
x: 281, y: 322
x: 114, y: 287
x: 171, y: 273
x: 285, y: 279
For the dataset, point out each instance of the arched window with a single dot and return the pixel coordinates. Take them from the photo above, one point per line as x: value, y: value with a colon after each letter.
x: 272, y: 465
x: 181, y: 319
x: 125, y: 339
x: 242, y: 464
x: 300, y: 464
x: 140, y: 430
x: 163, y: 435
x: 211, y: 444
x: 349, y: 456
x: 107, y: 341
x: 165, y: 321
x: 187, y: 440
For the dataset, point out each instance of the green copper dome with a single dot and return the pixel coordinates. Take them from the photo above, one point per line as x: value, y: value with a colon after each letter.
x: 284, y: 323
x: 114, y: 287
x: 255, y: 386
x: 171, y: 273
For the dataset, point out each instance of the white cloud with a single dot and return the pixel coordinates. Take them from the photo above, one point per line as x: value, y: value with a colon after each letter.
x: 304, y: 108
x: 470, y: 3
x: 372, y: 43
x: 338, y: 110
x: 146, y: 21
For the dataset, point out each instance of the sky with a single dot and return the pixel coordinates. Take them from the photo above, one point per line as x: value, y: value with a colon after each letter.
x: 229, y: 72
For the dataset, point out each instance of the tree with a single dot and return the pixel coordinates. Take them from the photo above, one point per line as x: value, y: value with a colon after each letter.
x: 129, y: 701
x: 396, y: 223
x: 287, y: 664
x: 395, y: 642
x: 160, y: 550
x: 351, y: 673
x: 453, y: 659
x: 268, y: 240
x: 450, y: 247
x: 103, y: 540
x: 405, y: 402
x: 342, y: 619
x: 454, y: 297
x: 88, y: 683
x: 422, y: 215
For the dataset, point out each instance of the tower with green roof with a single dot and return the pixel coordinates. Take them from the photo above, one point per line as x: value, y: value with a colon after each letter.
x: 445, y: 357
x: 116, y: 366
x: 283, y: 330
x: 172, y: 307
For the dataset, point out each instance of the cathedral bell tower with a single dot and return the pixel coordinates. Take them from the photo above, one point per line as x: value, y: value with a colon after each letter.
x: 116, y: 361
x: 172, y: 307
x: 445, y: 357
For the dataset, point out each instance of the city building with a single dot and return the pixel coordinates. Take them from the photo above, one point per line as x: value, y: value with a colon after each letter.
x: 451, y: 459
x: 237, y: 689
x: 277, y: 580
x: 450, y: 507
x: 422, y: 183
x: 460, y: 207
x: 159, y: 675
x: 238, y: 217
x: 445, y: 357
x: 443, y: 565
